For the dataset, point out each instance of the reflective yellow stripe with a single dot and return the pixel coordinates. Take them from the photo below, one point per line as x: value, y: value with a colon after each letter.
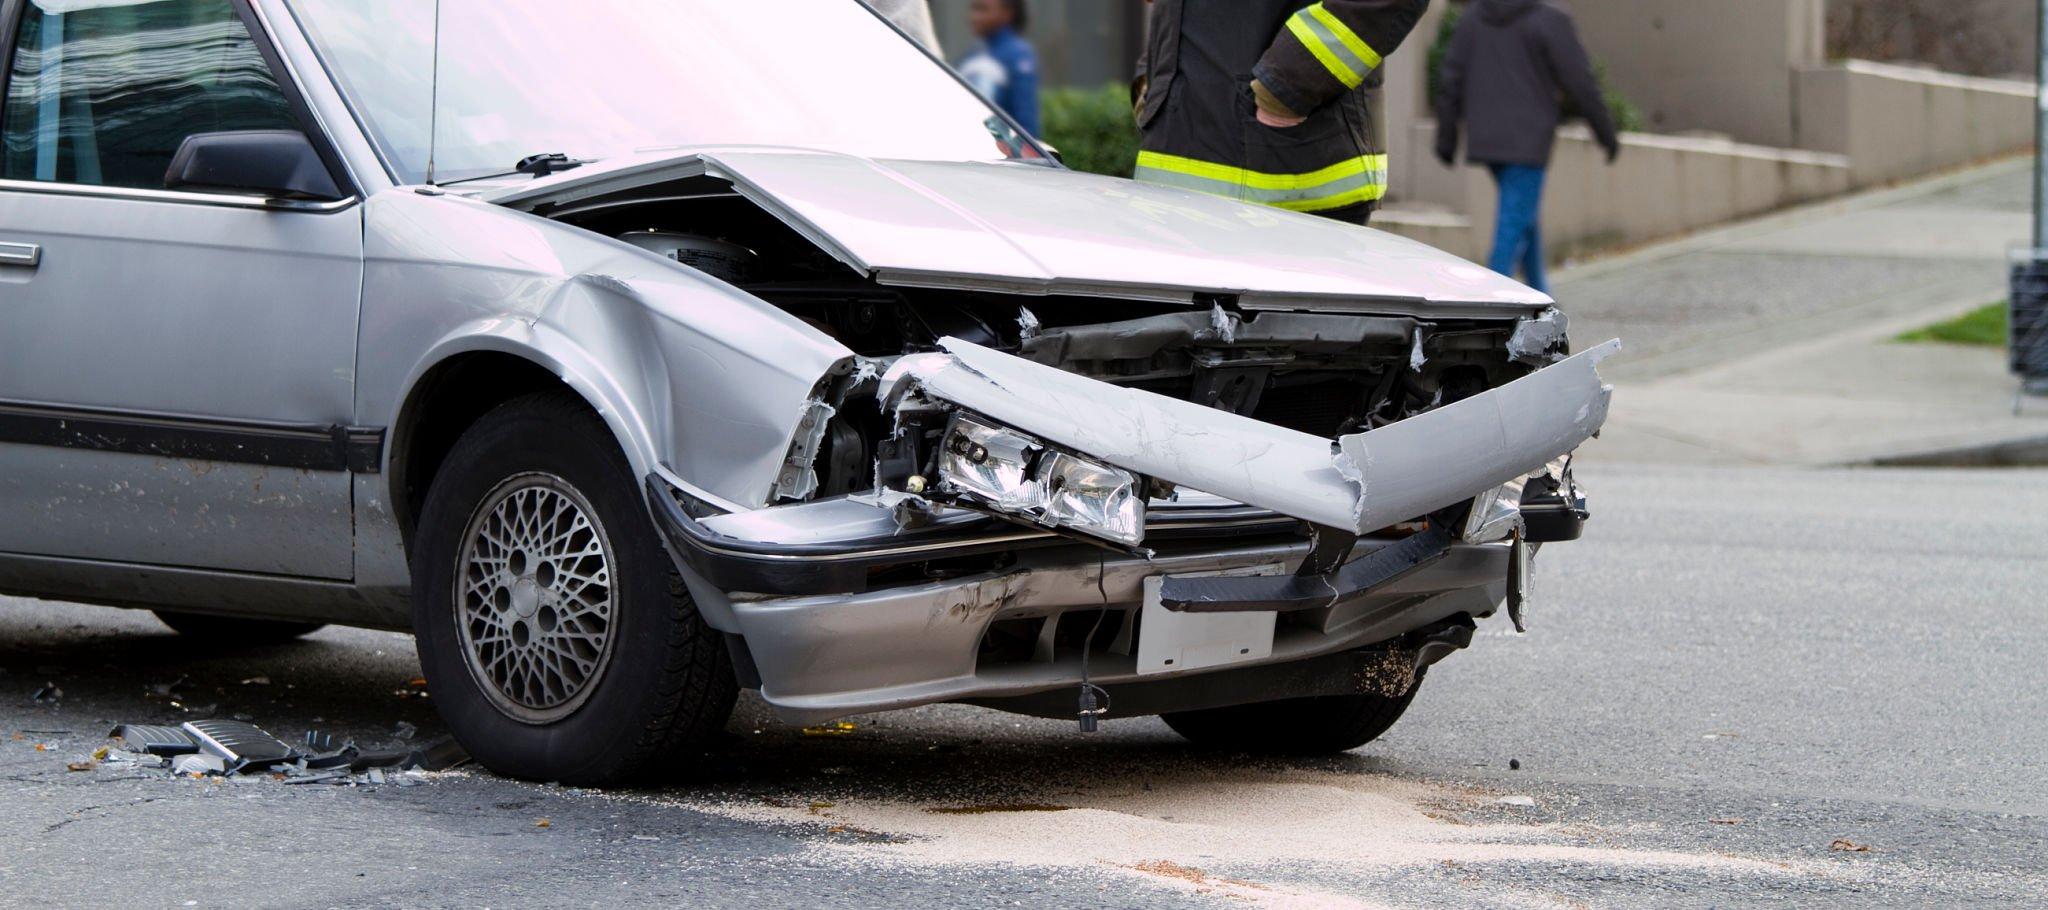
x: 1259, y: 179
x: 1315, y: 45
x: 1334, y: 44
x: 1344, y: 33
x: 1359, y: 196
x: 1350, y: 182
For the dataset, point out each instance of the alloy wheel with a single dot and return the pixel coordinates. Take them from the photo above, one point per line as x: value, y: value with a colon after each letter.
x: 534, y: 597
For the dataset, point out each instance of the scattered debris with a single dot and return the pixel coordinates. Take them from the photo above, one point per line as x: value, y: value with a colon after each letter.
x: 1725, y: 821
x: 167, y: 689
x: 200, y: 764
x: 1845, y: 845
x: 155, y: 740
x: 1722, y: 735
x: 1526, y: 802
x: 236, y: 749
x: 81, y: 766
x: 1514, y: 764
x: 256, y: 681
x: 49, y: 694
x: 543, y: 823
x: 836, y: 728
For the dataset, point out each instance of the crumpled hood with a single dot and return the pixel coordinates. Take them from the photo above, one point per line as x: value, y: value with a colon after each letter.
x: 1027, y: 229
x: 1502, y: 12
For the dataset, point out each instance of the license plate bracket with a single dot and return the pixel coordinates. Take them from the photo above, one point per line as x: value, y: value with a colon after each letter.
x: 1173, y: 642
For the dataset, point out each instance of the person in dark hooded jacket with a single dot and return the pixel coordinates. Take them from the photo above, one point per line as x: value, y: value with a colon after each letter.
x: 1509, y: 66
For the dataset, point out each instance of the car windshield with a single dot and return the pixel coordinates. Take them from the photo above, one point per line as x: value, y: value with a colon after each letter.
x: 602, y: 78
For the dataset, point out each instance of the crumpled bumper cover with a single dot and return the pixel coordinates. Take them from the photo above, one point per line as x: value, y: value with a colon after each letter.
x: 1360, y: 483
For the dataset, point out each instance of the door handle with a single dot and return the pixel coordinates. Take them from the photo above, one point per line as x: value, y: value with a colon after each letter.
x: 26, y: 255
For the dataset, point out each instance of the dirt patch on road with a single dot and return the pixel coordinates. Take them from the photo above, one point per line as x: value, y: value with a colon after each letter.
x: 1240, y: 834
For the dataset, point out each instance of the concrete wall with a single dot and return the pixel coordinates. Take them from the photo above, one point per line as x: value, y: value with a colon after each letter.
x: 1662, y: 186
x: 1722, y: 66
x: 1896, y: 122
x: 1408, y: 103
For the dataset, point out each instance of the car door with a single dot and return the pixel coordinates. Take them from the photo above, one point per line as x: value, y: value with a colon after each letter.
x: 176, y: 368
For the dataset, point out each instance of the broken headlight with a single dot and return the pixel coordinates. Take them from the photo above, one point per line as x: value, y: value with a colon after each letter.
x: 991, y: 463
x: 1095, y: 498
x: 1015, y: 473
x: 1496, y: 514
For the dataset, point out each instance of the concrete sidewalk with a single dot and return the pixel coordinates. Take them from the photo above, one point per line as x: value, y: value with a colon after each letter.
x: 1769, y: 342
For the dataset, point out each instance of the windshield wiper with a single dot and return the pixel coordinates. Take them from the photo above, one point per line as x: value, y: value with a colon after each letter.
x: 546, y: 163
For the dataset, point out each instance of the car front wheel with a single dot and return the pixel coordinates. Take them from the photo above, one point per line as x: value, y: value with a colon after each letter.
x: 557, y: 638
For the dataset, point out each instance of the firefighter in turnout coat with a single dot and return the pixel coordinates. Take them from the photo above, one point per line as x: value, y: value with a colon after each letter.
x: 1270, y: 101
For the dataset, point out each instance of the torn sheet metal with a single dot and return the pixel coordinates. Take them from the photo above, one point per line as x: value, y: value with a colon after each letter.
x: 1363, y: 482
x: 798, y: 478
x: 1414, y: 467
x: 1028, y: 326
x: 1540, y: 340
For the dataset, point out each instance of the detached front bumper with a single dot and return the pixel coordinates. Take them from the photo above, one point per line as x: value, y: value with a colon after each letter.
x: 845, y: 609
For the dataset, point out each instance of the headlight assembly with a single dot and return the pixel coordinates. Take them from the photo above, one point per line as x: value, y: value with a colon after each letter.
x: 1095, y: 498
x: 1011, y: 472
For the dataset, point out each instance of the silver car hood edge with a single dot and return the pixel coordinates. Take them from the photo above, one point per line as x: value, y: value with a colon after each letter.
x: 1039, y: 231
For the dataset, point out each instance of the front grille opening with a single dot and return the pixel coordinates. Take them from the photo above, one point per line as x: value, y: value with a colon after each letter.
x: 1056, y: 638
x: 1327, y: 408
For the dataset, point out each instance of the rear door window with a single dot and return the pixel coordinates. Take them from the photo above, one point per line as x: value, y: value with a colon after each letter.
x: 101, y: 92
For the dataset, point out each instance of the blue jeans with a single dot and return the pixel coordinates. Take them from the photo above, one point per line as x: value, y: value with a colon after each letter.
x: 1518, y: 234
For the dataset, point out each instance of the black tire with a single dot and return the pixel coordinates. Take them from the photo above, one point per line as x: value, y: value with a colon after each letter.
x: 234, y: 630
x: 663, y: 684
x: 1323, y: 725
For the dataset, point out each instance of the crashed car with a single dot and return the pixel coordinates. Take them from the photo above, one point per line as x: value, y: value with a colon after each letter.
x: 628, y: 363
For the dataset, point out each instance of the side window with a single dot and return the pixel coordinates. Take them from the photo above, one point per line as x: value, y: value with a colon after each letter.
x: 103, y: 93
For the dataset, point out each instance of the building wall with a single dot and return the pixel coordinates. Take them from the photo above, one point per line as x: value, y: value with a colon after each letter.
x: 1722, y: 66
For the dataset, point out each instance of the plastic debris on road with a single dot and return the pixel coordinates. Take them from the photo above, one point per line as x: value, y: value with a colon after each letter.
x: 236, y: 749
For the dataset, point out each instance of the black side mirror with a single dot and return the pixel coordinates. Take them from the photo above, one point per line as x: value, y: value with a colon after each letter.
x: 276, y: 163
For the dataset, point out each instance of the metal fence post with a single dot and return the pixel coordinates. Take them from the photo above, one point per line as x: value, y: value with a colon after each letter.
x: 2028, y: 310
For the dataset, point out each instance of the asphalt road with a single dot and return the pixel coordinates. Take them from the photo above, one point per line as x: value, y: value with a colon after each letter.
x: 1736, y: 670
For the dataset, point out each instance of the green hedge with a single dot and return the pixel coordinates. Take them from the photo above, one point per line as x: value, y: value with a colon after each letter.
x: 1092, y: 128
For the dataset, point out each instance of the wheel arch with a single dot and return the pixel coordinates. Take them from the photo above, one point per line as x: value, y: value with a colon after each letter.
x: 468, y: 376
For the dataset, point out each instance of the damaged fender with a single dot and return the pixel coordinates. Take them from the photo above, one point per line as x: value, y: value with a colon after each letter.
x: 1360, y: 483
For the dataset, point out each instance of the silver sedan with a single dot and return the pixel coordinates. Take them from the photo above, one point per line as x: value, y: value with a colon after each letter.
x: 632, y: 353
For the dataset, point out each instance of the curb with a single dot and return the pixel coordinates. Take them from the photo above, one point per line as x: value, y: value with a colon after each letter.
x: 1711, y: 236
x: 2012, y: 453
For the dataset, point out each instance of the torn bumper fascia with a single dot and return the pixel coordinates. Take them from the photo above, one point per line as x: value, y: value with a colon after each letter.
x: 827, y: 656
x: 1359, y: 483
